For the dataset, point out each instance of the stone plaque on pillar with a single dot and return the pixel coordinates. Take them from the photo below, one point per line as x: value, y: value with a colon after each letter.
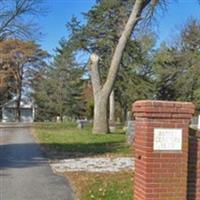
x: 167, y: 139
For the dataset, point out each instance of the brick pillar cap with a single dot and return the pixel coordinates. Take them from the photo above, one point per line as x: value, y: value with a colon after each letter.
x: 163, y: 109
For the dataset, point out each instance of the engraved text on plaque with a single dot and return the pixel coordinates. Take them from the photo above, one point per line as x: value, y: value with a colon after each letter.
x: 169, y: 139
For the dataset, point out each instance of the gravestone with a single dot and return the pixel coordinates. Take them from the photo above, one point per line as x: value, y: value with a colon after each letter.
x: 130, y: 132
x: 130, y: 128
x: 198, y: 122
x: 58, y: 120
x: 81, y: 123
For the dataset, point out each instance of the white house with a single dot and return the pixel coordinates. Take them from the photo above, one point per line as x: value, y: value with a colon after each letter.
x: 27, y: 108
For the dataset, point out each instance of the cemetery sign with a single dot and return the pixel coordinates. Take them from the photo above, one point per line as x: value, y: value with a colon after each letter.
x: 167, y: 139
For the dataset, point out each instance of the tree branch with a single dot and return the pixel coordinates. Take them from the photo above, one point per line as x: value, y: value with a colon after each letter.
x: 132, y: 22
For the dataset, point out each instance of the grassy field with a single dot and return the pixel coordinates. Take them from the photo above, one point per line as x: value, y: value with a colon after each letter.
x: 61, y: 141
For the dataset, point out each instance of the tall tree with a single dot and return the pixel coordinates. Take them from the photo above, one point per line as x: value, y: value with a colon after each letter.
x: 18, y: 19
x: 177, y: 66
x: 6, y: 89
x: 19, y: 59
x: 58, y: 91
x: 105, y: 36
x: 167, y: 71
x: 135, y: 79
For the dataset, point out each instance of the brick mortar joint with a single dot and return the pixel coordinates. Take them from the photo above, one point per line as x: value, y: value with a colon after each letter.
x: 165, y: 112
x: 160, y: 102
x: 168, y: 116
x: 163, y: 109
x: 163, y: 105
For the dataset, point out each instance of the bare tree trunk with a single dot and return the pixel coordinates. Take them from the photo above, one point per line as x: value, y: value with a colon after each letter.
x: 61, y: 118
x: 19, y: 78
x: 102, y: 92
x: 100, y: 124
x: 112, y: 111
x: 18, y: 102
x: 112, y: 107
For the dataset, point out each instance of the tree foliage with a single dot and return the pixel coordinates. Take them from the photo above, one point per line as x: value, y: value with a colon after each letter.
x: 177, y: 66
x: 107, y: 37
x: 18, y: 61
x: 135, y: 78
x: 58, y: 89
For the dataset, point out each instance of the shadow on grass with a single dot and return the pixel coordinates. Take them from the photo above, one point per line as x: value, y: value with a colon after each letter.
x: 32, y: 155
x: 78, y: 150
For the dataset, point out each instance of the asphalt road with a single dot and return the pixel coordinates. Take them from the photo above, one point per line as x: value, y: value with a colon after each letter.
x: 24, y: 172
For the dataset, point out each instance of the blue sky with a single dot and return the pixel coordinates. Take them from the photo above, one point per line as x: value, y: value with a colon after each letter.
x: 60, y: 12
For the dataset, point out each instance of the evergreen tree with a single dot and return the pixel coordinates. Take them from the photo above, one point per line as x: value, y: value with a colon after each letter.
x: 59, y: 90
x: 177, y: 67
x: 135, y: 78
x: 106, y: 36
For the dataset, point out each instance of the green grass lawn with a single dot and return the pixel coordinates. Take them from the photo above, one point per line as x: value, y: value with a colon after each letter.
x: 63, y: 140
x: 67, y: 141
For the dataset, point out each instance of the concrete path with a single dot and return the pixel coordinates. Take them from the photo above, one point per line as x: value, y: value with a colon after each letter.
x: 24, y: 172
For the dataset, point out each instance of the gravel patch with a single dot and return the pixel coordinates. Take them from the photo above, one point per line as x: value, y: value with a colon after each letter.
x: 94, y: 165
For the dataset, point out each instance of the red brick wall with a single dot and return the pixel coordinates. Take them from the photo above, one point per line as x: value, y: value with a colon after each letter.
x: 194, y: 166
x: 160, y: 175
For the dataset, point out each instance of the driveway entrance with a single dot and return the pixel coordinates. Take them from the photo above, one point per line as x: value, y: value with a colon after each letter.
x: 24, y: 171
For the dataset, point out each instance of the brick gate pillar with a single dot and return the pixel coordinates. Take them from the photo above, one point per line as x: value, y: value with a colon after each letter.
x: 194, y: 165
x: 161, y: 149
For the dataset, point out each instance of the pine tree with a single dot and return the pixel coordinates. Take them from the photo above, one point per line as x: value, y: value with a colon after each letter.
x: 59, y: 91
x: 177, y: 66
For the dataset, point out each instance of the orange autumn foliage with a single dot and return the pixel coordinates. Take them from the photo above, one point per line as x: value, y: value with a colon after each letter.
x: 14, y: 54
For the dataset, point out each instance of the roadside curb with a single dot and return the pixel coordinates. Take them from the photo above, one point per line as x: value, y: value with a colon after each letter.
x: 16, y: 125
